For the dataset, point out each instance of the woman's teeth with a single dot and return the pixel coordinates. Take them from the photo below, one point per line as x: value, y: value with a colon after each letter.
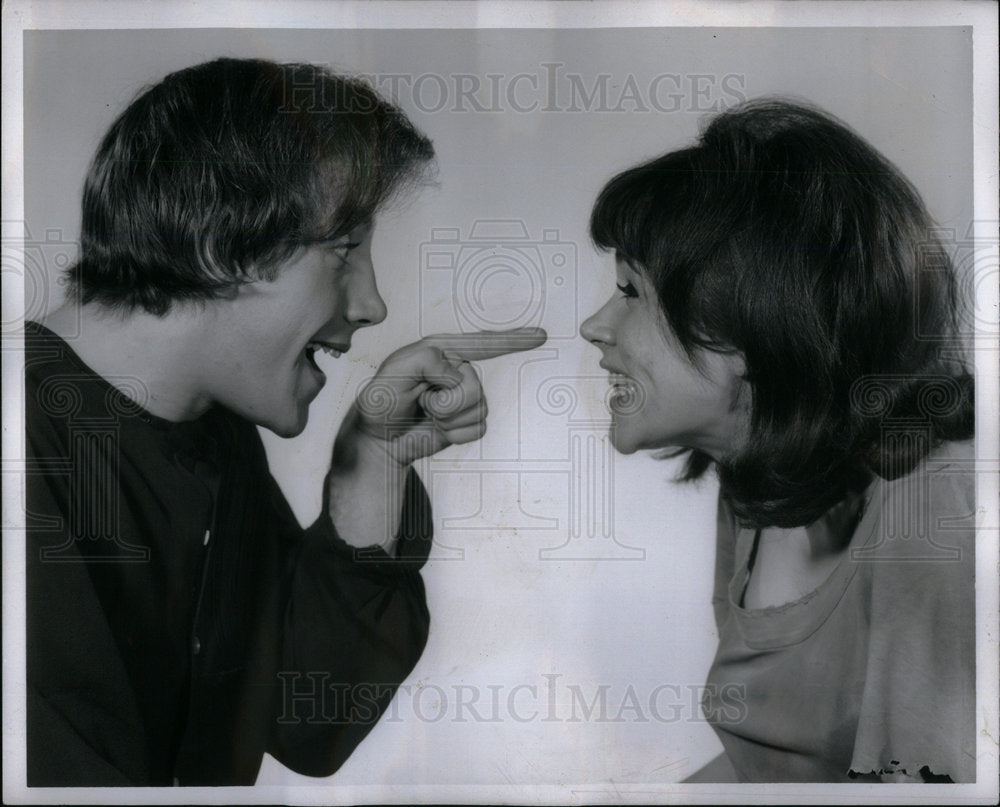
x: 624, y: 396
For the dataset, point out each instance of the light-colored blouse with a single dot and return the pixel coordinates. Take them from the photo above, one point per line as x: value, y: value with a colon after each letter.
x: 873, y: 672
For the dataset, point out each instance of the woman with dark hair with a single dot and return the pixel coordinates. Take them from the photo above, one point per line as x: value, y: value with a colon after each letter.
x: 787, y: 318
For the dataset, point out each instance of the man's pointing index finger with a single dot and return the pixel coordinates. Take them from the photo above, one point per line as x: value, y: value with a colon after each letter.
x: 487, y: 344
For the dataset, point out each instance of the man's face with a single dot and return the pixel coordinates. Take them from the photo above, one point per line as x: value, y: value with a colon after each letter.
x: 268, y: 333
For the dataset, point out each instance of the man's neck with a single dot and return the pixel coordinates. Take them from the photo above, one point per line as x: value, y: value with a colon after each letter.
x: 160, y: 353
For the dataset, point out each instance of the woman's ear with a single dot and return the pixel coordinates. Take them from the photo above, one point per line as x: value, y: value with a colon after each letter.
x: 737, y: 364
x: 741, y: 389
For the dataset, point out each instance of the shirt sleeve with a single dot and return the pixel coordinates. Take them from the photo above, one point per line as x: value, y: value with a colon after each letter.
x: 918, y: 706
x: 355, y: 625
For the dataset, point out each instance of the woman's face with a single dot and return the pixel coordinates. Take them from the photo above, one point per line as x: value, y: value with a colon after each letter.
x: 659, y: 399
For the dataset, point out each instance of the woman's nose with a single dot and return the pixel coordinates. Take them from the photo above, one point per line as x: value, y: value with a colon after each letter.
x: 597, y: 328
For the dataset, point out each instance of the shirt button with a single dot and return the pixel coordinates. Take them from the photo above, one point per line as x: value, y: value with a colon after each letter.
x: 195, y: 645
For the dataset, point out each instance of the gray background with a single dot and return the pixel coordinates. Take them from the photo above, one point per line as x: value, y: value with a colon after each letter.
x: 517, y: 590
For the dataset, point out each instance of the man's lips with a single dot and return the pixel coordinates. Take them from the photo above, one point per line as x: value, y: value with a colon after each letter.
x: 335, y: 349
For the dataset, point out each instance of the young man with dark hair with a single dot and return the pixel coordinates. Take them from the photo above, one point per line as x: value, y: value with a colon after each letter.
x: 180, y: 622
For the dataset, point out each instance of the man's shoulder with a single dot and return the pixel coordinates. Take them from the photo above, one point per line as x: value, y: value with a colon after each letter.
x: 57, y: 381
x: 62, y: 392
x: 45, y: 354
x: 57, y: 388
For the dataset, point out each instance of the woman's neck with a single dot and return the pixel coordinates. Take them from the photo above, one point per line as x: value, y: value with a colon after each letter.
x: 792, y: 562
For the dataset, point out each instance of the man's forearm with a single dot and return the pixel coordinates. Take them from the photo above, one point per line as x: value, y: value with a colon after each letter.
x: 365, y: 489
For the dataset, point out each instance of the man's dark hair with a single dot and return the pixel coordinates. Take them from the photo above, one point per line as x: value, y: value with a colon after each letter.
x: 784, y: 236
x: 217, y: 174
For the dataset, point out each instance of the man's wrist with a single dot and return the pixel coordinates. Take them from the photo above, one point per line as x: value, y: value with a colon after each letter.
x: 365, y: 488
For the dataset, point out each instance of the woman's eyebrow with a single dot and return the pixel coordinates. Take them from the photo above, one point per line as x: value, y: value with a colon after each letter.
x: 624, y: 259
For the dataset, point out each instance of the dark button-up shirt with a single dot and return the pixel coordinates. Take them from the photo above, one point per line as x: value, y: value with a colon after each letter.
x: 180, y: 622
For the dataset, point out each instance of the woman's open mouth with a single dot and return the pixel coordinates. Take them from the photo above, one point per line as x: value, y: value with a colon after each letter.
x: 624, y: 396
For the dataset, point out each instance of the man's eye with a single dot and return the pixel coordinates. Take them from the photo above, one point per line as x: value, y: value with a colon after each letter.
x: 343, y: 249
x: 628, y: 290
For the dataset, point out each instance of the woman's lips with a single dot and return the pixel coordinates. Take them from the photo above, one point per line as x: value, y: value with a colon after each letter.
x: 625, y: 394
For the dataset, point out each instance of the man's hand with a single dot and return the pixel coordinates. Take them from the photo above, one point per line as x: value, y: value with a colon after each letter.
x: 426, y: 396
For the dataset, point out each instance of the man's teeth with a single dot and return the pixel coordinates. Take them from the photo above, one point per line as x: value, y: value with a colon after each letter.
x: 330, y: 351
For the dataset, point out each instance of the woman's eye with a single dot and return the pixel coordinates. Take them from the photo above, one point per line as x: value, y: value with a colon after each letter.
x: 628, y: 290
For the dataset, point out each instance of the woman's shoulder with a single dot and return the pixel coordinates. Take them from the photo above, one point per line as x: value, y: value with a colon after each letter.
x: 951, y: 454
x: 918, y: 576
x: 922, y: 535
x: 936, y: 500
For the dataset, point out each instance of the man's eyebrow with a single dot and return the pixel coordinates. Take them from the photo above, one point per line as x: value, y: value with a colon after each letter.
x: 366, y: 224
x: 326, y: 239
x: 333, y: 240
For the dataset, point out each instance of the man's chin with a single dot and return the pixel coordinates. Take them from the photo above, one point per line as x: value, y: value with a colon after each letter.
x: 287, y: 433
x: 289, y: 428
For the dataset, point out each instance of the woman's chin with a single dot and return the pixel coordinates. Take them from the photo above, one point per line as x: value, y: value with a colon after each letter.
x: 623, y: 442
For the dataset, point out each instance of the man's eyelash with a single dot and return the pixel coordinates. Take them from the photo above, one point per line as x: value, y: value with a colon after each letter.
x: 628, y: 290
x: 343, y: 250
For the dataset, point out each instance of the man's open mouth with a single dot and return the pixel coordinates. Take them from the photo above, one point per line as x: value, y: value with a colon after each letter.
x: 326, y: 347
x: 329, y: 348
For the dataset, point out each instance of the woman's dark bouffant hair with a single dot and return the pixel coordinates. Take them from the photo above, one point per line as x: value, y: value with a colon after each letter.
x: 217, y: 174
x: 784, y: 236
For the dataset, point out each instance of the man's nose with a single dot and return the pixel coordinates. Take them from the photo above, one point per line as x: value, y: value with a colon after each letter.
x: 366, y: 306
